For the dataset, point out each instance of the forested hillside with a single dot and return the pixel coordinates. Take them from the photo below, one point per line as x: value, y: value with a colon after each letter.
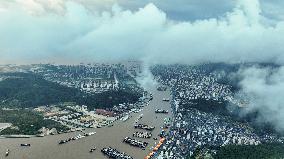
x: 28, y: 90
x: 262, y: 151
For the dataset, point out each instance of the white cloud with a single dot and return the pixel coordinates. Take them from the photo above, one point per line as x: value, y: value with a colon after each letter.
x: 265, y: 87
x: 31, y: 32
x: 41, y: 7
x: 273, y: 8
x: 148, y: 34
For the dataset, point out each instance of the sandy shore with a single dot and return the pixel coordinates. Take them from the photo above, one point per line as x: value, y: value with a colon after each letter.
x: 48, y: 148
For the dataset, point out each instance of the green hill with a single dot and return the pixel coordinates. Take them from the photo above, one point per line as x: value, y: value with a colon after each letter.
x: 26, y: 90
x: 262, y: 151
x: 27, y: 122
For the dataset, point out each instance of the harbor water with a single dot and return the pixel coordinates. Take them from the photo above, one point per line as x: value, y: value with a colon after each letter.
x: 48, y: 147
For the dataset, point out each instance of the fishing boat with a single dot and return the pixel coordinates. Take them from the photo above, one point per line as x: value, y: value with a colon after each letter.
x: 93, y: 149
x: 7, y: 152
x: 28, y: 145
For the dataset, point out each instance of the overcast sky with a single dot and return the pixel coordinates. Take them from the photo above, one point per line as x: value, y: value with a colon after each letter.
x: 187, y: 31
x: 157, y: 31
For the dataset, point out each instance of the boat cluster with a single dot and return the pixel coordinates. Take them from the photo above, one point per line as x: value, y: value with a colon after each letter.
x: 76, y: 137
x: 161, y: 111
x: 135, y: 143
x: 113, y: 153
x: 142, y: 134
x: 144, y: 126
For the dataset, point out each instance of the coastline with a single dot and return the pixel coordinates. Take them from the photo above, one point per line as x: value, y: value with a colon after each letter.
x: 47, y: 147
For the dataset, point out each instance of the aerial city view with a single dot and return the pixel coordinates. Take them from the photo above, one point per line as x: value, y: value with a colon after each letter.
x: 132, y: 79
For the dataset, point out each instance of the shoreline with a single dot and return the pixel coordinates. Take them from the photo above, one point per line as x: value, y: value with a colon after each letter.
x: 47, y: 147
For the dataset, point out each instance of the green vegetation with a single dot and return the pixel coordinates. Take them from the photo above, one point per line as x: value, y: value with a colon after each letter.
x: 211, y: 106
x: 108, y: 99
x: 25, y: 90
x: 262, y: 151
x: 26, y: 122
x: 200, y: 153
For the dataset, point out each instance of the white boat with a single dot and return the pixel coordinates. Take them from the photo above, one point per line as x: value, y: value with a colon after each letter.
x: 7, y: 152
x: 125, y: 118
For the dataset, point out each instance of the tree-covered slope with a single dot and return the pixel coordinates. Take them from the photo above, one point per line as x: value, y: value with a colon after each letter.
x: 262, y: 151
x: 27, y: 122
x: 29, y: 90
